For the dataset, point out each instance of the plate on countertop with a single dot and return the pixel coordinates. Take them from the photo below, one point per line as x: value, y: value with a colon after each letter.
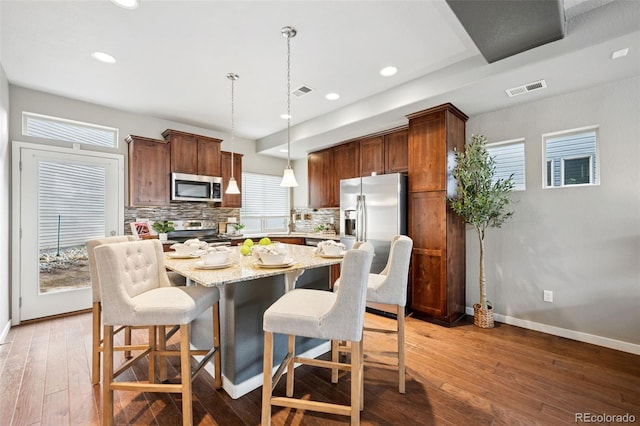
x: 331, y: 256
x: 287, y: 262
x: 174, y: 255
x: 201, y: 265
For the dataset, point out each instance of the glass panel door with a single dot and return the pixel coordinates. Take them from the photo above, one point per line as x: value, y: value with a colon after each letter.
x: 66, y: 199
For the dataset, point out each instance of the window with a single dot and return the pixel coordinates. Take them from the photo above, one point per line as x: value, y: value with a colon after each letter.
x: 571, y: 158
x: 44, y: 126
x: 509, y: 160
x: 265, y: 204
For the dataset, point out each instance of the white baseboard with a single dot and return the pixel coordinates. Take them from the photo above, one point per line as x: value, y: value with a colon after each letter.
x: 5, y: 331
x: 240, y: 389
x: 569, y: 334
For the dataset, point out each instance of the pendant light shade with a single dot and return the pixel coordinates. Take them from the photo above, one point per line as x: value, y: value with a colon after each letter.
x: 288, y: 178
x: 233, y: 185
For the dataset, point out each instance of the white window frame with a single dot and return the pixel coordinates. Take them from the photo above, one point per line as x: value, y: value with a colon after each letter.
x: 594, y: 177
x: 576, y: 157
x: 264, y: 219
x: 72, y: 123
x: 524, y: 158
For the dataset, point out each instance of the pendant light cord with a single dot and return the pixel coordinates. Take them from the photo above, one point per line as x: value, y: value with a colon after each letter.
x: 289, y: 100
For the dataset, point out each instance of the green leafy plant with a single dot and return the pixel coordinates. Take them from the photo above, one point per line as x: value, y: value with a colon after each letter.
x: 163, y: 226
x: 239, y: 226
x: 480, y: 200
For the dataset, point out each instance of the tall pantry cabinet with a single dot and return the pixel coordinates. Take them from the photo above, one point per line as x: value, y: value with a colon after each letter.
x: 438, y: 259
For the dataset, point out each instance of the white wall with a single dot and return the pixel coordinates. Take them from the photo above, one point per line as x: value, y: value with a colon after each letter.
x: 5, y: 299
x: 583, y: 243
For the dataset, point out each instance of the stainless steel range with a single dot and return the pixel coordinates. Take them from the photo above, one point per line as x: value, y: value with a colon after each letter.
x: 202, y: 230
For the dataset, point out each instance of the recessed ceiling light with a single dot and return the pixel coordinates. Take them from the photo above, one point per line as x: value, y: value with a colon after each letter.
x: 332, y: 96
x: 388, y: 71
x: 127, y: 4
x: 620, y: 53
x: 284, y: 150
x: 285, y: 116
x: 104, y: 57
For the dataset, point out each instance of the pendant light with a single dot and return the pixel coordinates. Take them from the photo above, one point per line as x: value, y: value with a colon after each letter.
x: 288, y: 178
x: 233, y: 185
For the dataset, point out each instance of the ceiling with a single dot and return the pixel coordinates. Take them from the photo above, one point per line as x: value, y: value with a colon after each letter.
x: 173, y: 58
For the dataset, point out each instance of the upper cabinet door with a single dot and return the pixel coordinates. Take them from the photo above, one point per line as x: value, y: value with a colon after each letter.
x: 209, y: 157
x: 434, y: 135
x: 321, y: 188
x: 184, y: 153
x: 149, y: 172
x: 372, y: 156
x: 396, y: 152
x: 193, y: 154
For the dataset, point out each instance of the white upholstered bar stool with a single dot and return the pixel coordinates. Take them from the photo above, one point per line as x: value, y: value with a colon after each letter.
x: 388, y: 289
x: 322, y: 315
x: 136, y: 291
x: 97, y: 346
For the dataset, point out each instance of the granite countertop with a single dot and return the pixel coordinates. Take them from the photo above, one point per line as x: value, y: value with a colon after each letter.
x: 316, y: 235
x: 244, y: 268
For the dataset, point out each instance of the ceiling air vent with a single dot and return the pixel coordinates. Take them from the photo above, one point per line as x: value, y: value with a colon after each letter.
x: 529, y: 87
x: 301, y: 91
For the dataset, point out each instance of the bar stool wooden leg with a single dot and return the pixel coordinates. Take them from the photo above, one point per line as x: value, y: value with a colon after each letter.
x: 107, y: 377
x: 217, y: 360
x: 268, y: 378
x: 161, y: 345
x: 96, y: 343
x: 185, y: 375
x: 335, y: 356
x: 356, y: 381
x: 291, y: 348
x: 401, y: 366
x: 153, y: 346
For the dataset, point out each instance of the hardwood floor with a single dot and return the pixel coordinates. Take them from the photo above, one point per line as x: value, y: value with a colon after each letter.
x: 455, y: 376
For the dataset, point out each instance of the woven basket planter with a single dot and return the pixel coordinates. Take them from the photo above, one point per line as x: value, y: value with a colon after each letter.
x: 482, y: 317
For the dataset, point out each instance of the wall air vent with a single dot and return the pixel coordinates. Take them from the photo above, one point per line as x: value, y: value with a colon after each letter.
x: 526, y: 88
x: 301, y: 91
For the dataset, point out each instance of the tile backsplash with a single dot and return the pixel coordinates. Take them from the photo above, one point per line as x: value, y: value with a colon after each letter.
x: 305, y: 220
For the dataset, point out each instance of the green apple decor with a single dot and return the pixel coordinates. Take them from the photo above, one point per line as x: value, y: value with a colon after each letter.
x: 482, y: 202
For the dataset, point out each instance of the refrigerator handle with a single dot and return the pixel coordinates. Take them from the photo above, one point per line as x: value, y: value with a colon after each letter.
x: 361, y: 218
x: 363, y: 206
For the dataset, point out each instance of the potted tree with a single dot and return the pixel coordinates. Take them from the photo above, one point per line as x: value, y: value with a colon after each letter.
x: 482, y: 202
x: 162, y: 227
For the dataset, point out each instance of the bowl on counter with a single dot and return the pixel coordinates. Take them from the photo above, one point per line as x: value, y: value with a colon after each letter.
x: 215, y: 257
x: 272, y: 258
x: 183, y: 249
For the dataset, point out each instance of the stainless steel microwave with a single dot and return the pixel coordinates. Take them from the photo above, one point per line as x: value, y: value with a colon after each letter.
x: 186, y: 187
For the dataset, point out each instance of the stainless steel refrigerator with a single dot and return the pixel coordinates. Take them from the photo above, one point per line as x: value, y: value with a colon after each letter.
x: 373, y: 209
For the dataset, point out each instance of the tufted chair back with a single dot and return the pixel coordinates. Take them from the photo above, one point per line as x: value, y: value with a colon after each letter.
x: 91, y: 245
x: 128, y: 270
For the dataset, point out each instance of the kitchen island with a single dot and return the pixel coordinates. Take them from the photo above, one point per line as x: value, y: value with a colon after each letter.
x: 246, y: 291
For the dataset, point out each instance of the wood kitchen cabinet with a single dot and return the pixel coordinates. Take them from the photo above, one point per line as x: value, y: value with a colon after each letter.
x: 346, y: 165
x: 372, y: 156
x: 149, y: 171
x: 231, y: 200
x: 396, y: 152
x: 193, y: 154
x: 319, y: 176
x: 437, y: 289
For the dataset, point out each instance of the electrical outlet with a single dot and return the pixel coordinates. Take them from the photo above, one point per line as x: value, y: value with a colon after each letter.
x: 548, y: 296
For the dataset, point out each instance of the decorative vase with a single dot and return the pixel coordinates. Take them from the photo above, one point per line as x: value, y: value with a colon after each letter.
x: 483, y: 317
x: 162, y: 236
